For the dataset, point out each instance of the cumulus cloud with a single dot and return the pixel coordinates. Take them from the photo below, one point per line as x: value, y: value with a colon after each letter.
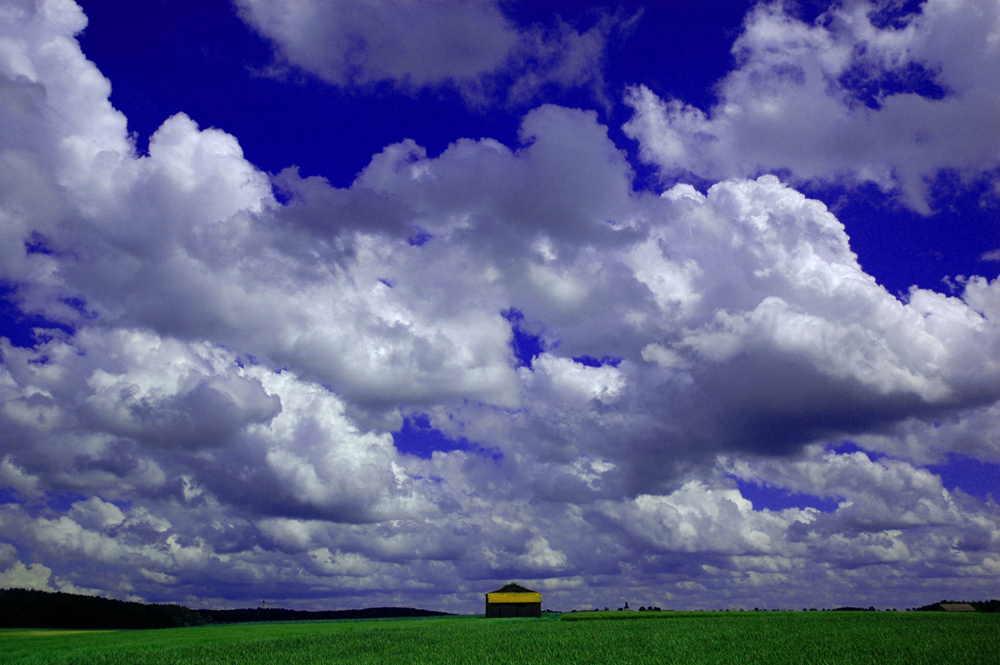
x: 212, y: 419
x: 863, y: 94
x: 471, y: 45
x: 19, y: 576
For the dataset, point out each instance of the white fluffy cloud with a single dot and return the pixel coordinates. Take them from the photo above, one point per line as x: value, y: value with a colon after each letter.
x: 471, y: 45
x: 221, y: 415
x: 854, y: 96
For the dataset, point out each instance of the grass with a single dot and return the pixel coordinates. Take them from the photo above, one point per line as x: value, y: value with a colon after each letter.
x: 845, y: 638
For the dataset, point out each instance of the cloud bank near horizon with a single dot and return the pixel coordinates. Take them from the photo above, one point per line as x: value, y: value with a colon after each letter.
x: 209, y: 416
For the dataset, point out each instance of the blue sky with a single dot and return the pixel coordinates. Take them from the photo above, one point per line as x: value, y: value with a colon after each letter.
x: 389, y: 303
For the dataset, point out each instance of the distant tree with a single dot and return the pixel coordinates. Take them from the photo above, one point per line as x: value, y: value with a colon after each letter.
x: 992, y: 605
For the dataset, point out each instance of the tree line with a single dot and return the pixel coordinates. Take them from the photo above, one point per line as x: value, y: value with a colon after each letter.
x: 29, y: 608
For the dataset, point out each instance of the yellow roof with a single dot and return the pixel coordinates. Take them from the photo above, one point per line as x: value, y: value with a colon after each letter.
x: 502, y: 597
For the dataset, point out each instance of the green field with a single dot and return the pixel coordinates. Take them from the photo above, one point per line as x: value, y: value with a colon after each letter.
x: 681, y: 637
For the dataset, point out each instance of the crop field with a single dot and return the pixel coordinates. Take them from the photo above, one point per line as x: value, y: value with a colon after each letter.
x: 841, y: 638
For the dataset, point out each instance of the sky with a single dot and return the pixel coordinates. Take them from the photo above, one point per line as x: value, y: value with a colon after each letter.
x: 389, y: 303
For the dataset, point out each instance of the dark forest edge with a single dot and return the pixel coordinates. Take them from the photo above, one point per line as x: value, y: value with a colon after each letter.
x: 29, y: 608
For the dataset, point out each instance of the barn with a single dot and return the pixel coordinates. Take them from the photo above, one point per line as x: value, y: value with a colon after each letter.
x: 956, y: 607
x: 513, y: 600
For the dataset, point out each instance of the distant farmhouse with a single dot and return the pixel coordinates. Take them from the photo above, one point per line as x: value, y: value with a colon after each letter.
x: 513, y: 600
x: 957, y: 607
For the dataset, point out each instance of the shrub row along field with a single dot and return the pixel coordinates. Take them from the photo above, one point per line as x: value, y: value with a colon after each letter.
x: 843, y: 638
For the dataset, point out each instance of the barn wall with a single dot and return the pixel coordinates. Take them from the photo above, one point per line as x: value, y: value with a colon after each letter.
x: 513, y: 610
